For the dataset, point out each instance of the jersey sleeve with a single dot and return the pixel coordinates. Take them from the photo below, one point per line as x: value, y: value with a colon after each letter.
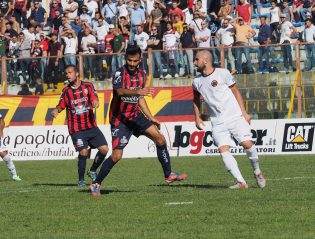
x: 62, y: 101
x: 229, y: 79
x: 117, y: 80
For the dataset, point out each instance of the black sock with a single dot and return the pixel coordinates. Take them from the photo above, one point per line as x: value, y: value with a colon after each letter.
x: 81, y: 166
x: 98, y: 160
x: 164, y: 158
x: 105, y: 169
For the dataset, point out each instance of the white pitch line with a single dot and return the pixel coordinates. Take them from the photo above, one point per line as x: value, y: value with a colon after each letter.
x: 178, y: 203
x: 292, y: 178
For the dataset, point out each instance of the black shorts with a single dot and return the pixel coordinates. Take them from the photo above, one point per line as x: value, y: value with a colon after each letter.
x: 90, y: 137
x: 123, y: 131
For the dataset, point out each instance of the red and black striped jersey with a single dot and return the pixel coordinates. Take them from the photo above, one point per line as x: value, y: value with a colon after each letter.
x: 78, y: 103
x: 126, y: 107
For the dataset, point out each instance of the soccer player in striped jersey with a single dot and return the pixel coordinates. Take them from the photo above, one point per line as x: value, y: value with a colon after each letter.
x: 228, y: 116
x: 4, y: 152
x: 79, y: 98
x: 130, y: 115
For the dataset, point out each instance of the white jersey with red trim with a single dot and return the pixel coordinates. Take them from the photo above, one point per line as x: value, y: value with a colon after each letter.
x: 220, y: 100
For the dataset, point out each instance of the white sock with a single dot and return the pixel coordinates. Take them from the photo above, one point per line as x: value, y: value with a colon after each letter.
x: 10, y: 164
x: 231, y: 165
x: 253, y: 157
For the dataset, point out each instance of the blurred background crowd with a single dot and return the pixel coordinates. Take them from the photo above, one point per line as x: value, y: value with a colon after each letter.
x: 41, y: 37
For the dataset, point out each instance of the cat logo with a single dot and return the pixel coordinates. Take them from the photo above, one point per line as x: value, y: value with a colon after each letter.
x: 298, y: 137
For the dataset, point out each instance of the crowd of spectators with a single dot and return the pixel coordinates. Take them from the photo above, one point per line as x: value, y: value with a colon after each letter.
x: 47, y: 37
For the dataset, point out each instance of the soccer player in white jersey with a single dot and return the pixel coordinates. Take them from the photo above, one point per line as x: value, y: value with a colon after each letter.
x: 227, y: 114
x: 4, y: 153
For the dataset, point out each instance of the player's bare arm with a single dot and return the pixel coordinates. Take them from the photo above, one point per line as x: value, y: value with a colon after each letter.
x: 56, y: 111
x: 147, y: 91
x: 196, y: 105
x: 146, y: 111
x: 240, y: 101
x: 2, y: 124
x: 95, y: 103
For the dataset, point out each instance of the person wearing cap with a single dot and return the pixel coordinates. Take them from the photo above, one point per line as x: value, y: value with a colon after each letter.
x: 264, y: 38
x: 309, y: 36
x: 39, y: 13
x: 243, y: 34
x: 287, y: 30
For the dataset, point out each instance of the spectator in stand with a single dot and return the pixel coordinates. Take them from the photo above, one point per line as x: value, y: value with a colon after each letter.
x: 15, y: 25
x: 109, y: 12
x: 198, y: 7
x: 148, y: 6
x: 54, y: 53
x: 38, y: 32
x: 155, y: 43
x: 244, y: 10
x: 70, y: 46
x: 122, y: 9
x: 70, y: 9
x: 225, y: 10
x: 264, y: 38
x: 39, y: 88
x: 43, y: 43
x: 137, y: 17
x: 309, y: 36
x: 287, y: 10
x: 85, y: 17
x: 287, y: 30
x: 6, y: 7
x: 226, y: 36
x: 243, y: 34
x: 39, y: 13
x: 94, y: 23
x: 109, y: 50
x: 100, y: 32
x: 76, y: 25
x: 156, y: 17
x: 170, y: 44
x: 56, y: 22
x: 195, y: 24
x: 141, y: 40
x: 88, y: 43
x: 24, y: 90
x: 25, y: 45
x: 187, y: 41
x: 300, y: 9
x: 118, y: 45
x: 214, y: 24
x: 92, y: 6
x: 9, y: 31
x: 54, y: 7
x: 274, y: 21
x: 178, y: 24
x: 34, y: 69
x: 124, y: 28
x: 203, y: 36
x: 19, y: 11
x: 175, y: 10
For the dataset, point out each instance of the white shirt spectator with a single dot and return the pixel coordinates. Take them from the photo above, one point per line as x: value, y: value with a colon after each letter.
x: 122, y: 10
x: 206, y: 33
x: 86, y: 17
x: 274, y: 15
x: 29, y: 36
x: 86, y: 40
x: 148, y: 6
x: 74, y: 14
x: 285, y: 31
x: 101, y: 32
x: 91, y: 5
x: 70, y: 45
x: 196, y: 24
x: 170, y: 39
x: 142, y: 40
x: 227, y: 38
x: 309, y: 34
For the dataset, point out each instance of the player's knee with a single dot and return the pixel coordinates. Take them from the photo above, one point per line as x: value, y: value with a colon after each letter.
x: 160, y: 140
x: 116, y: 155
x: 103, y: 149
x: 247, y: 144
x: 84, y: 152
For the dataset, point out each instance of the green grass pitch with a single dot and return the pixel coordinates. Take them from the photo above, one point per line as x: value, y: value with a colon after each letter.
x: 137, y: 204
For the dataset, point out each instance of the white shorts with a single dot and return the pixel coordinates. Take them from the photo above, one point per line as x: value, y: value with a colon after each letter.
x: 239, y: 129
x: 3, y: 147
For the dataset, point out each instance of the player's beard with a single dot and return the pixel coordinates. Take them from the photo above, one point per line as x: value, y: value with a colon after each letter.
x: 132, y: 69
x: 201, y: 68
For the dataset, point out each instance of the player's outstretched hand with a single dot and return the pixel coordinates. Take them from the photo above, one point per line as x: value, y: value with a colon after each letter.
x: 54, y: 113
x: 147, y: 91
x: 95, y: 103
x: 156, y: 123
x: 199, y: 123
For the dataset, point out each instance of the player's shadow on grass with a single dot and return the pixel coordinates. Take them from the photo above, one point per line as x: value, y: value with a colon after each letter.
x: 206, y: 186
x: 107, y: 191
x: 56, y: 184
